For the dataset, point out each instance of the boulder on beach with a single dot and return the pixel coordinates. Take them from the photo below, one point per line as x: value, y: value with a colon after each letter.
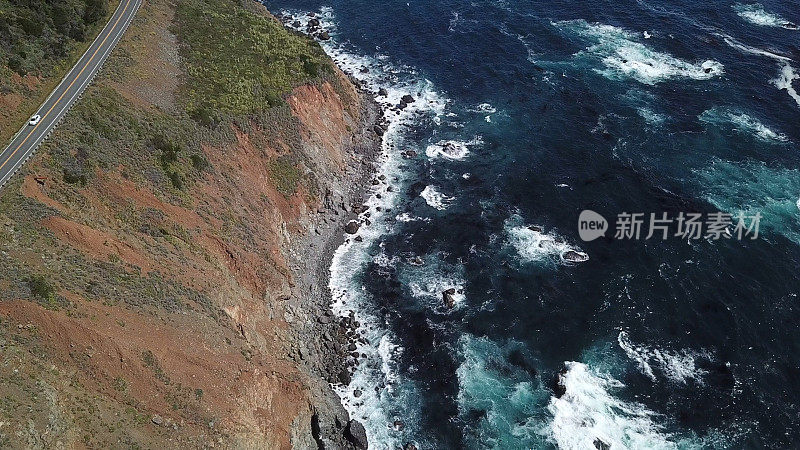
x: 382, y: 92
x: 351, y: 227
x: 356, y: 434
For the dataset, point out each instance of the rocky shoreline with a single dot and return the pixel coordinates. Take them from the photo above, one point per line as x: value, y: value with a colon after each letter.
x: 321, y: 343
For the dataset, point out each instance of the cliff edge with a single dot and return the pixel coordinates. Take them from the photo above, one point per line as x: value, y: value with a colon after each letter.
x: 163, y: 257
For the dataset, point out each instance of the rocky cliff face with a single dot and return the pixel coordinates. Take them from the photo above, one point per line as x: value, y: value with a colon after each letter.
x: 163, y: 276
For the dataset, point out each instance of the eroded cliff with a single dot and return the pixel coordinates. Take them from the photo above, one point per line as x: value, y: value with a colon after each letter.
x: 152, y: 250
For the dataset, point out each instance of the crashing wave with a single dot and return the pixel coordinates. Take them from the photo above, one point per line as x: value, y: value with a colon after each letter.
x: 678, y: 367
x: 587, y: 415
x: 534, y: 245
x: 452, y: 149
x: 435, y: 199
x: 784, y: 81
x: 757, y: 15
x: 623, y: 56
x: 741, y: 122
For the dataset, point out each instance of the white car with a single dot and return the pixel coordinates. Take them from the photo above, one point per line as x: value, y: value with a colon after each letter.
x: 35, y: 119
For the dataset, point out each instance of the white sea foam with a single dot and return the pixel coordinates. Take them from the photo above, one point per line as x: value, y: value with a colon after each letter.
x: 742, y: 123
x: 677, y: 366
x: 534, y: 245
x: 784, y: 81
x: 623, y: 56
x: 408, y: 217
x: 751, y: 50
x: 452, y: 149
x: 588, y: 412
x: 757, y: 15
x: 650, y: 116
x: 378, y: 368
x: 486, y: 108
x: 435, y: 199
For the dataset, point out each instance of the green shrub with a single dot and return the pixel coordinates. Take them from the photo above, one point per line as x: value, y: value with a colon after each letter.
x: 199, y: 162
x: 285, y: 175
x: 251, y: 69
x: 41, y: 289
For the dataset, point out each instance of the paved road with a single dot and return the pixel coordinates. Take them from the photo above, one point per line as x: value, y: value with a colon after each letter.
x: 53, y: 109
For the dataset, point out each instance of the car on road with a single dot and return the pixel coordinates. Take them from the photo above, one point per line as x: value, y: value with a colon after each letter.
x: 35, y: 119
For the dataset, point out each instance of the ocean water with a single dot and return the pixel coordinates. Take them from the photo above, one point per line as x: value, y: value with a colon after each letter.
x: 526, y: 113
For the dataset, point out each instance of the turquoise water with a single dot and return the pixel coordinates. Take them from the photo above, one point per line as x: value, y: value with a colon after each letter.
x: 525, y: 114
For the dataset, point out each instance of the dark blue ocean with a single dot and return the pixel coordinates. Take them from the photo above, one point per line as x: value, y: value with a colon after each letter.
x: 525, y: 114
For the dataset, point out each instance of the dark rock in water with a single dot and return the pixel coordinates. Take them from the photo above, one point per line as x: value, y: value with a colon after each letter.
x: 517, y: 358
x: 416, y: 261
x: 375, y: 182
x: 535, y: 228
x: 378, y: 130
x: 557, y: 385
x: 344, y: 377
x: 448, y: 297
x: 407, y: 99
x: 356, y: 434
x: 706, y: 70
x: 599, y: 444
x: 399, y: 425
x: 313, y: 22
x: 573, y: 256
x: 357, y: 393
x: 364, y: 70
x: 323, y: 36
x: 358, y: 239
x: 296, y: 24
x: 410, y: 446
x: 382, y: 92
x: 351, y: 227
x: 790, y: 26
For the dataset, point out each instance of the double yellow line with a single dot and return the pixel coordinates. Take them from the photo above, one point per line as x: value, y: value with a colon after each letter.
x: 77, y: 77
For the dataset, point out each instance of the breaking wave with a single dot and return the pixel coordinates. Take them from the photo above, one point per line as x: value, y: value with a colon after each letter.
x: 757, y: 15
x: 741, y: 122
x: 678, y: 367
x: 624, y: 56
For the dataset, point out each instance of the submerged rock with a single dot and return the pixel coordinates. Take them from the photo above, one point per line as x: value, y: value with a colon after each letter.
x: 573, y: 256
x: 449, y: 297
x: 558, y: 386
x: 599, y: 444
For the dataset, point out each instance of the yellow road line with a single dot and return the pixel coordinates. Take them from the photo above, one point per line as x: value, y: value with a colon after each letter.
x: 91, y: 58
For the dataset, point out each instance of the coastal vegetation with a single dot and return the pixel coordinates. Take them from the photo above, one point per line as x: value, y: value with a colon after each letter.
x: 39, y: 41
